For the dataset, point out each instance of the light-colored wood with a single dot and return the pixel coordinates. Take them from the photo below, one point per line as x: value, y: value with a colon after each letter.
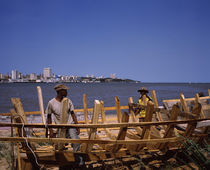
x: 154, y: 97
x: 117, y: 105
x: 197, y: 100
x: 108, y: 125
x: 12, y: 111
x: 92, y: 135
x: 191, y: 126
x: 103, y: 119
x: 146, y: 129
x: 63, y: 120
x: 209, y: 92
x: 170, y: 129
x: 19, y: 109
x: 41, y: 105
x: 121, y: 135
x: 186, y: 99
x: 184, y: 104
x: 85, y: 108
x: 130, y: 102
x: 89, y: 141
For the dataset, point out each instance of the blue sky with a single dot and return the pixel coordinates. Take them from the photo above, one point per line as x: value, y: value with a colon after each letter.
x: 146, y: 40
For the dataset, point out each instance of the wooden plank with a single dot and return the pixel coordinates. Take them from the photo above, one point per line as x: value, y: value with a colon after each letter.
x: 85, y: 108
x: 103, y: 118
x: 133, y: 116
x: 170, y: 129
x: 19, y: 109
x: 18, y: 116
x: 184, y: 104
x: 108, y: 125
x: 191, y: 126
x: 209, y: 92
x: 41, y: 105
x: 186, y: 99
x: 117, y: 105
x: 92, y: 135
x: 63, y: 120
x: 89, y: 141
x: 159, y: 116
x: 121, y: 135
x: 197, y: 100
x: 146, y: 129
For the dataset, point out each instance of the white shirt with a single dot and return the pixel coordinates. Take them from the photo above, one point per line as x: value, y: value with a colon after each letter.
x: 54, y: 107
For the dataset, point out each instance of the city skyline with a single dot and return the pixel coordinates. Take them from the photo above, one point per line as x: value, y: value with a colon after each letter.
x: 149, y: 41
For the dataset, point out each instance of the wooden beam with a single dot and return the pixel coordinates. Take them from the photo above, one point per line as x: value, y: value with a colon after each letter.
x: 85, y: 108
x: 121, y: 135
x: 108, y: 125
x: 170, y: 129
x: 197, y: 100
x: 41, y: 104
x: 63, y: 120
x: 133, y: 116
x: 103, y: 118
x: 19, y: 108
x: 186, y: 99
x: 146, y: 129
x: 92, y: 135
x: 117, y: 105
x: 159, y: 116
x: 89, y: 141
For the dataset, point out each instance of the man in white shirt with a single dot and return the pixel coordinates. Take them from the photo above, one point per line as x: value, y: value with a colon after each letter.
x: 54, y: 109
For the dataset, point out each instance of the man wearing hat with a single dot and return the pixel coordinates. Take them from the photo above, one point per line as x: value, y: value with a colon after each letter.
x: 144, y: 98
x: 54, y: 108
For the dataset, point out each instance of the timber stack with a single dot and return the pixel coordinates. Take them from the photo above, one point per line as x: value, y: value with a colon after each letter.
x: 127, y: 138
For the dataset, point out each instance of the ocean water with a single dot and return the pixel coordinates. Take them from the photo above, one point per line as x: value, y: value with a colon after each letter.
x: 106, y: 92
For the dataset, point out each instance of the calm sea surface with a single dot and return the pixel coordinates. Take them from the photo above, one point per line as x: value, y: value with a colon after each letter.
x: 27, y: 92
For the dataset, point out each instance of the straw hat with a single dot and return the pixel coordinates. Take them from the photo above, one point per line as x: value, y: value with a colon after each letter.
x: 60, y: 87
x: 143, y: 89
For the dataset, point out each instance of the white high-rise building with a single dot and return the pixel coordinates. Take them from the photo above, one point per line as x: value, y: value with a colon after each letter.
x: 47, y: 73
x: 14, y: 74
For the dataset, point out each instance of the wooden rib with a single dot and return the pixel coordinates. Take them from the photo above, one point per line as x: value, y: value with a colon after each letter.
x: 85, y: 108
x: 209, y: 92
x: 184, y: 104
x: 130, y: 102
x: 191, y: 126
x: 148, y: 118
x: 103, y: 119
x: 21, y: 131
x: 197, y: 100
x: 170, y: 129
x: 89, y: 141
x: 13, y: 113
x: 63, y: 120
x: 92, y: 135
x: 154, y: 97
x: 121, y: 135
x: 19, y: 108
x: 117, y: 105
x: 186, y: 99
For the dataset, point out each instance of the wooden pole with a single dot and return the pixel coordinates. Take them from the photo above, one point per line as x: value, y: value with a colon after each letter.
x: 64, y: 120
x: 117, y: 105
x: 154, y: 97
x: 92, y: 135
x: 85, y: 108
x: 184, y: 104
x: 41, y: 105
x: 169, y: 130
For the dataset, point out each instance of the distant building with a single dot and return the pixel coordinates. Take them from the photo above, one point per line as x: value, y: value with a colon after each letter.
x: 113, y: 76
x: 14, y: 75
x: 47, y: 73
x: 33, y: 76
